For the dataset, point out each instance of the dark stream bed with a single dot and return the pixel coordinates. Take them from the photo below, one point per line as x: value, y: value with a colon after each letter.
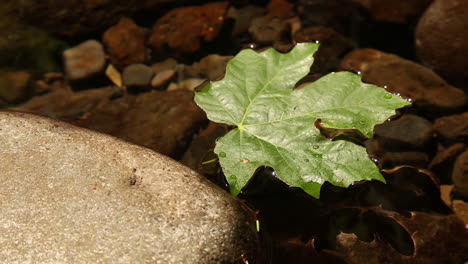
x: 130, y: 69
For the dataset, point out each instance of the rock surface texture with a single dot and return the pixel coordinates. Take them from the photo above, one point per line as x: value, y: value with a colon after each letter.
x: 184, y: 30
x: 76, y: 17
x: 427, y: 90
x: 70, y: 195
x: 440, y: 38
x: 125, y: 42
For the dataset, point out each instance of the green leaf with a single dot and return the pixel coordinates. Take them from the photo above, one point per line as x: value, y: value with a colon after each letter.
x: 275, y: 124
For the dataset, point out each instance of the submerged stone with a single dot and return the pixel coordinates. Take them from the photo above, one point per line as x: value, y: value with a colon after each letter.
x: 70, y: 195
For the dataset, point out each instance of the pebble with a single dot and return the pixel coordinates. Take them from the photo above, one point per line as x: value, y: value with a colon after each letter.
x: 137, y: 77
x: 161, y: 79
x: 84, y: 61
x: 409, y: 132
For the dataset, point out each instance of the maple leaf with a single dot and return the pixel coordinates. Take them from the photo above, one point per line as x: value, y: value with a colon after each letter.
x: 274, y: 124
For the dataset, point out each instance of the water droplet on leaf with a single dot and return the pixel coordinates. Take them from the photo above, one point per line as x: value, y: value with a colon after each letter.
x: 388, y: 96
x: 306, y: 160
x: 315, y: 147
x: 222, y: 154
x: 318, y: 156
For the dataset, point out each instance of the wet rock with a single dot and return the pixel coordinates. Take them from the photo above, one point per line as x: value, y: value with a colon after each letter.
x: 343, y: 16
x: 15, y: 86
x: 168, y: 64
x: 213, y: 66
x: 73, y: 195
x: 77, y: 18
x: 460, y: 208
x: 460, y: 175
x: 125, y: 43
x: 184, y: 30
x: 442, y: 163
x: 407, y: 132
x: 452, y: 128
x: 426, y: 89
x: 65, y: 104
x: 440, y: 38
x: 84, y: 62
x: 393, y: 159
x: 281, y: 8
x: 201, y: 150
x: 162, y: 121
x: 137, y: 77
x: 243, y: 17
x: 394, y: 11
x: 267, y: 30
x: 161, y: 79
x: 186, y: 85
x: 437, y: 239
x: 333, y: 47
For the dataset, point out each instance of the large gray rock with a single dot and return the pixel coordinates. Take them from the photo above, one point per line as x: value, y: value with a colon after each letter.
x: 70, y: 195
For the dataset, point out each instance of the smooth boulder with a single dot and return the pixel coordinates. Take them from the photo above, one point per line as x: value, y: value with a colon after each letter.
x: 71, y: 195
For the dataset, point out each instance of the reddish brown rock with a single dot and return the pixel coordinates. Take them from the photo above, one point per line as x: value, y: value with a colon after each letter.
x: 162, y: 121
x: 394, y: 11
x: 426, y: 89
x: 183, y: 30
x: 441, y: 38
x: 73, y: 18
x: 125, y: 43
x: 65, y: 104
x: 281, y: 8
